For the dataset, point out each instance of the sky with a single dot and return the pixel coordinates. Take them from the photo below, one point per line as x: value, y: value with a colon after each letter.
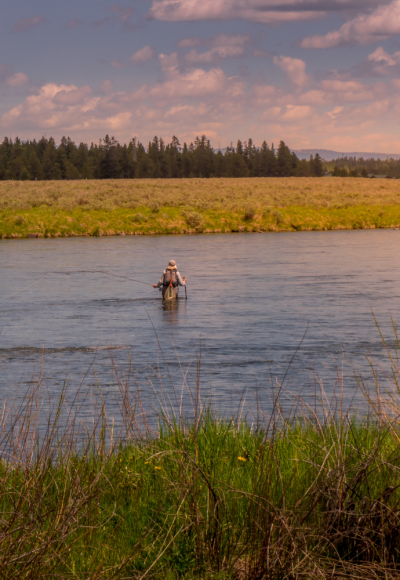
x: 313, y: 73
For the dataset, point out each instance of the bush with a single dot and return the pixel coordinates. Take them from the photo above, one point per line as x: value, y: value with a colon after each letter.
x: 139, y: 218
x: 154, y: 206
x: 20, y: 220
x: 278, y: 216
x: 249, y: 214
x: 193, y: 219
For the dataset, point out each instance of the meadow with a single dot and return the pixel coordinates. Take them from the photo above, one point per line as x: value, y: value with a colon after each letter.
x: 157, y: 206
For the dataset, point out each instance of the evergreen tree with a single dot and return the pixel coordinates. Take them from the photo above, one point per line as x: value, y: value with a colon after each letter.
x: 286, y: 161
x: 45, y: 159
x: 109, y: 164
x: 318, y: 166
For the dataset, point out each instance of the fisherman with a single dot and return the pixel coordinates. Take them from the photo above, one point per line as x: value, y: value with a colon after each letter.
x: 170, y: 277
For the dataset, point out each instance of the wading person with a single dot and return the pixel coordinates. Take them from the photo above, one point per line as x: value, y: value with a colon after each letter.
x: 170, y: 281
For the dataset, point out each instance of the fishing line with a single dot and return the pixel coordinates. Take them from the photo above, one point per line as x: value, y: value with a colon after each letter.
x: 33, y: 283
x: 110, y: 274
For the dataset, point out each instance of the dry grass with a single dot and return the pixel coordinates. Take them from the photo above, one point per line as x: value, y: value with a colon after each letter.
x: 58, y: 208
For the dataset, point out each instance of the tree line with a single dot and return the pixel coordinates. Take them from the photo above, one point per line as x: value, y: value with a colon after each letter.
x: 360, y: 167
x: 46, y: 160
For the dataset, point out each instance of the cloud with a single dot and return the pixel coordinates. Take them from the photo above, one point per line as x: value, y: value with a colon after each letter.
x: 375, y: 26
x: 381, y: 56
x: 266, y: 11
x: 335, y: 112
x: 53, y: 106
x: 197, y: 83
x: 222, y: 46
x: 27, y: 23
x: 259, y: 53
x: 71, y: 95
x: 17, y: 80
x: 117, y: 64
x: 309, y: 112
x: 294, y: 68
x: 71, y: 24
x: 123, y: 13
x: 143, y: 55
x: 189, y: 42
x: 214, y: 55
x: 169, y: 62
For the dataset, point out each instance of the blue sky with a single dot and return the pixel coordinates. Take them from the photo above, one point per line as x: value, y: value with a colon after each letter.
x: 315, y: 73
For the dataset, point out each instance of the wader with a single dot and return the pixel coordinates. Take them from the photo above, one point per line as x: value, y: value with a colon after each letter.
x: 170, y: 293
x: 170, y: 288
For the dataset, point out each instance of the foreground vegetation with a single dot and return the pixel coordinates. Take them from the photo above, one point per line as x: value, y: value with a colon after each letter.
x: 315, y: 496
x: 79, y: 208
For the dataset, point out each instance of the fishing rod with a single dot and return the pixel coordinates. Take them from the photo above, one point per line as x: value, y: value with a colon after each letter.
x: 111, y: 274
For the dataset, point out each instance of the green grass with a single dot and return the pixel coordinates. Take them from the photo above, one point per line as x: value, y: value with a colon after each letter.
x: 210, y: 498
x: 97, y: 208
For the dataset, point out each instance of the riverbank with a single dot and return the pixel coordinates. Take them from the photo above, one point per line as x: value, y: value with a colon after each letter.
x: 148, y: 207
x: 314, y: 497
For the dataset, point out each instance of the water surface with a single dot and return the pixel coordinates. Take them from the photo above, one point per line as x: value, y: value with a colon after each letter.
x: 251, y: 298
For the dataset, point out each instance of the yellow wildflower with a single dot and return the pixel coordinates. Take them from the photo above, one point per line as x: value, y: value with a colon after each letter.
x: 242, y: 459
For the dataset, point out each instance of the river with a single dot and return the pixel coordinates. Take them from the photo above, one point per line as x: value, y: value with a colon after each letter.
x: 251, y: 299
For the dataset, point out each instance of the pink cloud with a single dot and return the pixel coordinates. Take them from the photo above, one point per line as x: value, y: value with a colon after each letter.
x: 17, y: 80
x: 143, y: 55
x: 27, y: 23
x: 222, y: 46
x: 189, y: 42
x: 197, y: 83
x: 294, y: 68
x: 224, y: 107
x: 71, y: 96
x: 380, y: 55
x: 214, y: 55
x: 378, y: 25
x: 266, y: 11
x: 169, y: 62
x: 117, y: 64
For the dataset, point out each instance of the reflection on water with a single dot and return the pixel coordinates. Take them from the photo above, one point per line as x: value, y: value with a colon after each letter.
x: 171, y: 310
x: 250, y: 298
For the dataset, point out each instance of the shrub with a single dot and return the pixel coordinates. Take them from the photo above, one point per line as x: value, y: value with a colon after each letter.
x: 278, y: 216
x: 154, y: 206
x: 193, y: 219
x: 20, y: 220
x: 139, y: 218
x: 249, y: 214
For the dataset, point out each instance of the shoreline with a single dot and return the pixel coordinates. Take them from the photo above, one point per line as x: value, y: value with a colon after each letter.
x: 44, y: 223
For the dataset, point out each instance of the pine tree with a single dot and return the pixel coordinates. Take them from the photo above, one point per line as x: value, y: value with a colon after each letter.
x: 318, y: 166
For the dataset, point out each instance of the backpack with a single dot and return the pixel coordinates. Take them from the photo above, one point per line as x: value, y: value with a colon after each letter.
x: 170, y: 277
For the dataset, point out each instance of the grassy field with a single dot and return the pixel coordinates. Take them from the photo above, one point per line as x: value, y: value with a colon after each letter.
x: 127, y: 207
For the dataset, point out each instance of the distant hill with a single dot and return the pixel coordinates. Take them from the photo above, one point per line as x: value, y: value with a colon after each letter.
x: 330, y: 155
